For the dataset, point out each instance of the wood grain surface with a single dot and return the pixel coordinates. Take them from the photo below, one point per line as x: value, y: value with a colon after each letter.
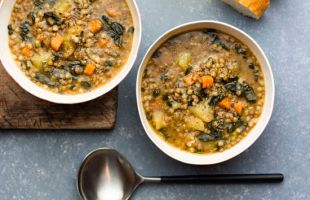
x: 21, y: 110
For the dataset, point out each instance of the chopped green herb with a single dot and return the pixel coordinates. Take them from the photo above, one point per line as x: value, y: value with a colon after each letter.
x: 38, y: 3
x: 156, y: 54
x: 24, y: 30
x: 131, y: 29
x: 164, y: 76
x: 203, y: 137
x: 251, y: 66
x: 239, y: 49
x: 166, y: 100
x: 188, y: 70
x: 231, y: 127
x: 164, y: 133
x: 52, y: 19
x: 86, y: 84
x: 10, y: 29
x: 200, y: 93
x: 214, y: 38
x: 190, y: 100
x: 32, y: 17
x: 156, y: 92
x: 108, y: 63
x: 77, y: 70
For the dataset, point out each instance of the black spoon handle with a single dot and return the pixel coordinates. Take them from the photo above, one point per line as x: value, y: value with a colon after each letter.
x: 225, y: 178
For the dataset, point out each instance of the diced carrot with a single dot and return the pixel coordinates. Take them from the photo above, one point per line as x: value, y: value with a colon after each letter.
x: 26, y: 51
x: 225, y: 103
x: 95, y: 25
x: 112, y: 12
x: 207, y: 81
x: 238, y: 107
x: 102, y: 43
x: 157, y: 103
x: 57, y: 41
x: 89, y: 69
x: 189, y: 80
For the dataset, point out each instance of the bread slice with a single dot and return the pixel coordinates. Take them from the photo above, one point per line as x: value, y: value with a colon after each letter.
x: 251, y: 8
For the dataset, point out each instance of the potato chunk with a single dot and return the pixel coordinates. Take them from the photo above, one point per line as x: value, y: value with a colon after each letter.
x: 74, y: 30
x: 62, y: 7
x: 39, y: 59
x: 69, y: 45
x: 194, y: 123
x: 159, y: 119
x: 184, y: 60
x: 68, y: 48
x: 203, y: 111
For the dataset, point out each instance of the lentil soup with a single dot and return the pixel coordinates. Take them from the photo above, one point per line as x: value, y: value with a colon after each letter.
x: 203, y: 91
x: 71, y: 46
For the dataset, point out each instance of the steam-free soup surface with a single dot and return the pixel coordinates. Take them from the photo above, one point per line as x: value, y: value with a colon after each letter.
x: 203, y: 91
x: 71, y: 46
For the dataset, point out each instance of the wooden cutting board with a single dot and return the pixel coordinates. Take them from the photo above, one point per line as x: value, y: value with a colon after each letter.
x: 21, y: 110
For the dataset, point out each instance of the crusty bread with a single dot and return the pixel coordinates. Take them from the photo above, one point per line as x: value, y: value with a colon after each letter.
x: 251, y: 8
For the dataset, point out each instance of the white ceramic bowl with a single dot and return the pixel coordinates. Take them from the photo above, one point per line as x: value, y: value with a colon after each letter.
x: 208, y: 159
x: 28, y: 85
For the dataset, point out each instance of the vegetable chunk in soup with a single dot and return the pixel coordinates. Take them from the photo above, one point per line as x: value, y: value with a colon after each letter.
x: 71, y: 46
x: 203, y: 91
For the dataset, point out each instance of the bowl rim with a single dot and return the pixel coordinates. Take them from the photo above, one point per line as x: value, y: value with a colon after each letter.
x: 245, y: 143
x: 23, y: 81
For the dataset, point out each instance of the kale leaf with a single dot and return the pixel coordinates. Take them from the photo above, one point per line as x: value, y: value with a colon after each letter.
x: 115, y: 30
x: 10, y: 29
x: 216, y: 99
x: 52, y: 19
x: 241, y: 89
x: 24, y: 30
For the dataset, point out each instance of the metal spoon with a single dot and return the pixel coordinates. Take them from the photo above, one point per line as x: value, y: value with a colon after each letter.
x: 106, y: 175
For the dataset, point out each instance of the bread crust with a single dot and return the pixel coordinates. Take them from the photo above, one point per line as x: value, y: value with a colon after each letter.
x: 257, y: 7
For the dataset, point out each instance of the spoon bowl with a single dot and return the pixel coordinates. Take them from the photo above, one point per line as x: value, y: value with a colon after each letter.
x: 106, y: 174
